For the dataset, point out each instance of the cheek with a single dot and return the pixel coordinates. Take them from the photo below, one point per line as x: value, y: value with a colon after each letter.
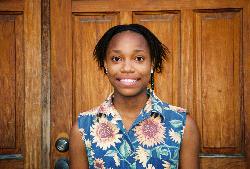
x: 146, y: 74
x: 112, y: 70
x: 148, y: 78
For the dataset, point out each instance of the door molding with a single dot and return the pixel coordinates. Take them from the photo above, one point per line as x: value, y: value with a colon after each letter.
x: 45, y: 97
x: 33, y: 106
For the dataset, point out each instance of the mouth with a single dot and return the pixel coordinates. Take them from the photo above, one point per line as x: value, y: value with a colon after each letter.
x: 128, y: 82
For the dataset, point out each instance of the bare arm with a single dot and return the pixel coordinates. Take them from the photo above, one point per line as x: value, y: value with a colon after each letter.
x: 77, y: 152
x: 189, y: 155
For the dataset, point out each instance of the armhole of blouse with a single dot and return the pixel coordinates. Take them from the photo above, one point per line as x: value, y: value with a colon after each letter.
x: 79, y: 129
x: 184, y: 124
x: 83, y: 135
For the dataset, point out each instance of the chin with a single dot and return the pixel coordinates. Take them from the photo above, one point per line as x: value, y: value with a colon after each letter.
x: 130, y: 92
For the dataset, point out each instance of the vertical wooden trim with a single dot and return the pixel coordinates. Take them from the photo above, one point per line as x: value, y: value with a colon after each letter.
x: 187, y: 60
x: 32, y: 53
x: 45, y: 84
x: 61, y: 74
x: 246, y: 72
x: 20, y: 82
x: 197, y: 109
x: 126, y: 17
x: 176, y: 26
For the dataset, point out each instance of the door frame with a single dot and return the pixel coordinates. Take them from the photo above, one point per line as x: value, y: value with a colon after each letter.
x: 33, y: 74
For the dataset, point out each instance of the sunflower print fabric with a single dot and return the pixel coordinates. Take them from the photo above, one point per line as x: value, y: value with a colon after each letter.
x: 152, y: 142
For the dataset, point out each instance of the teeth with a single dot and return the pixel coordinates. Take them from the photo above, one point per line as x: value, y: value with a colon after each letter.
x: 128, y: 80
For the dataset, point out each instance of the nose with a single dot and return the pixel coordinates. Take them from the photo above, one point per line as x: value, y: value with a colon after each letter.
x: 127, y: 67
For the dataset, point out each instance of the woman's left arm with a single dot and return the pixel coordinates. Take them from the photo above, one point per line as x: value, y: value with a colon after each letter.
x: 190, y: 148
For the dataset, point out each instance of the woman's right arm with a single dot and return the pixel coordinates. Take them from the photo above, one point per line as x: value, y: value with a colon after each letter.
x: 77, y: 152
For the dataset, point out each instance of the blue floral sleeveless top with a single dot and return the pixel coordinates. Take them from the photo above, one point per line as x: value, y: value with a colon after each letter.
x: 153, y: 141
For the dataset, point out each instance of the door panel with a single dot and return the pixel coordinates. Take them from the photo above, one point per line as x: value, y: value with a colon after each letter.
x: 20, y: 84
x: 166, y: 26
x: 223, y: 163
x: 90, y: 84
x: 12, y: 86
x: 218, y: 80
x: 9, y: 70
x: 203, y: 73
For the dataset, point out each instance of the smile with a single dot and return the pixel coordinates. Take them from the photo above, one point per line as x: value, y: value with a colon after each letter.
x: 128, y: 82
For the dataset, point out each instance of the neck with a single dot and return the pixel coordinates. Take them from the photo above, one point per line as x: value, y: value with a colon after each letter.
x: 130, y: 105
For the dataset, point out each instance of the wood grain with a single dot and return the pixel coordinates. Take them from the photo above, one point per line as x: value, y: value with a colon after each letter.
x: 126, y: 17
x: 187, y: 61
x: 11, y: 5
x: 156, y: 5
x: 223, y: 163
x: 218, y: 76
x: 45, y: 84
x: 246, y: 82
x: 11, y: 164
x: 12, y: 83
x: 222, y: 87
x: 61, y: 74
x: 166, y: 26
x: 89, y: 79
x: 8, y: 83
x: 32, y: 48
x: 203, y: 74
x: 20, y: 85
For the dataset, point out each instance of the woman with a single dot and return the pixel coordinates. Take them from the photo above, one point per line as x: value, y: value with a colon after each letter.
x: 133, y: 128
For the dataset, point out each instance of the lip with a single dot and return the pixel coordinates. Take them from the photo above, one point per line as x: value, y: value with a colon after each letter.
x: 129, y: 82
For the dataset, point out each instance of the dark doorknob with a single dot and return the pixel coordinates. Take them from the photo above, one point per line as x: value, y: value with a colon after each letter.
x: 62, y: 163
x: 62, y: 144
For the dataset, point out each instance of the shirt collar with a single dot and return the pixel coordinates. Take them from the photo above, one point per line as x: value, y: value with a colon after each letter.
x: 153, y: 107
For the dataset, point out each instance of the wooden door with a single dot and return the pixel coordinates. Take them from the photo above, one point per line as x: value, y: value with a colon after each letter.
x: 20, y: 84
x: 207, y: 71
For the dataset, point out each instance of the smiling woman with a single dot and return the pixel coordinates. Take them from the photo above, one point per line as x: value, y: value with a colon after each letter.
x: 128, y: 65
x: 133, y: 128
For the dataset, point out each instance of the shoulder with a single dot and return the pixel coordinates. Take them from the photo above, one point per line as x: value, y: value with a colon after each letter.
x: 77, y: 152
x: 191, y: 132
x: 75, y: 136
x: 84, y: 118
x: 74, y: 132
x: 191, y: 126
x: 190, y: 145
x: 174, y: 113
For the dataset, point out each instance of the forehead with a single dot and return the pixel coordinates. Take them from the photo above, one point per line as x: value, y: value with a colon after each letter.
x: 129, y: 39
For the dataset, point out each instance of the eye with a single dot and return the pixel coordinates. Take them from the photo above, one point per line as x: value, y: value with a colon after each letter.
x: 139, y: 58
x: 116, y: 58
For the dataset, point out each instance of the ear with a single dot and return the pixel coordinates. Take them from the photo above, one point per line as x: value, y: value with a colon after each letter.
x: 105, y: 68
x: 152, y: 68
x: 105, y: 63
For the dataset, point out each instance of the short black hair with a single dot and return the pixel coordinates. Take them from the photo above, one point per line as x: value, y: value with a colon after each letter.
x: 158, y: 51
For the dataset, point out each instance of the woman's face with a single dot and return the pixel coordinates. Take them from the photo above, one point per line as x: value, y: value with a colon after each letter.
x: 128, y: 63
